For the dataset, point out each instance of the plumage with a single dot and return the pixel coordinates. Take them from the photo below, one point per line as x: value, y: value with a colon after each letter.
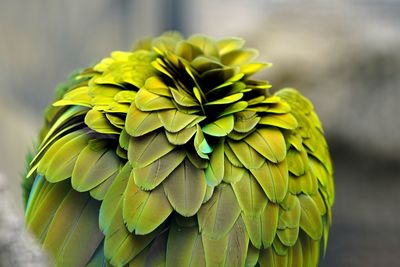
x: 151, y: 147
x: 273, y: 178
x: 252, y: 256
x: 250, y: 195
x: 43, y: 207
x: 185, y: 188
x: 97, y: 121
x: 62, y: 161
x: 150, y: 176
x: 95, y: 164
x: 310, y: 219
x: 139, y: 123
x: 220, y: 127
x: 215, y: 170
x: 139, y: 208
x: 269, y: 224
x: 246, y: 154
x: 217, y: 217
x: 86, y: 222
x: 229, y: 250
x: 269, y: 142
x: 173, y: 155
x: 174, y: 120
x: 192, y: 254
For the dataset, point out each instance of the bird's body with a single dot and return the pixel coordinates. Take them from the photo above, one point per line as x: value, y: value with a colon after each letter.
x: 171, y: 155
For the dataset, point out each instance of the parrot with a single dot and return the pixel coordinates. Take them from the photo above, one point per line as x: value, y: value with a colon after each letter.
x: 172, y: 154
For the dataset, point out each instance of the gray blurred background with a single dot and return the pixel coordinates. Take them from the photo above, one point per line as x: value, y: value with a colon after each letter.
x: 345, y: 56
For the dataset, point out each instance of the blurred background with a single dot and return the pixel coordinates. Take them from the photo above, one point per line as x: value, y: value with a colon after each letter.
x: 343, y: 55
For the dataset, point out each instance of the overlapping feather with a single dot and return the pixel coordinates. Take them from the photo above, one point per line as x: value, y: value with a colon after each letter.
x: 185, y: 160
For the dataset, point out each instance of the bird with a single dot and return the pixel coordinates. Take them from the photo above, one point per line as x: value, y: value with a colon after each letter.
x: 172, y: 154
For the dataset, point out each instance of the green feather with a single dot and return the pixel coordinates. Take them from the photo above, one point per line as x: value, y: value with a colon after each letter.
x: 250, y: 195
x: 297, y: 255
x: 197, y: 161
x: 280, y: 248
x: 42, y: 208
x: 152, y: 175
x: 237, y: 245
x: 253, y: 227
x: 306, y: 183
x: 208, y: 194
x: 98, y: 258
x: 113, y: 196
x: 247, y: 156
x: 269, y: 142
x: 98, y: 122
x: 80, y: 96
x: 174, y: 120
x: 116, y: 120
x: 232, y: 174
x: 139, y: 207
x: 100, y: 191
x: 284, y: 121
x: 62, y: 161
x: 245, y: 121
x: 289, y: 216
x: 252, y: 256
x: 205, y: 43
x: 297, y: 161
x: 34, y: 162
x: 231, y: 156
x: 201, y: 145
x: 185, y: 188
x: 227, y: 45
x: 269, y: 222
x: 71, y: 252
x: 217, y: 217
x: 147, y: 149
x: 157, y: 251
x: 236, y: 107
x: 215, y: 170
x: 37, y: 189
x: 226, y: 100
x: 288, y: 236
x: 139, y: 123
x: 147, y: 101
x: 273, y: 178
x: 120, y: 245
x: 125, y: 96
x: 191, y: 254
x: 184, y: 99
x: 94, y: 165
x: 140, y: 259
x: 44, y: 162
x: 280, y: 107
x: 239, y: 56
x: 220, y: 127
x: 156, y: 85
x: 239, y: 136
x: 134, y: 68
x: 230, y: 250
x: 268, y: 258
x: 64, y: 237
x: 310, y: 218
x: 182, y: 137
